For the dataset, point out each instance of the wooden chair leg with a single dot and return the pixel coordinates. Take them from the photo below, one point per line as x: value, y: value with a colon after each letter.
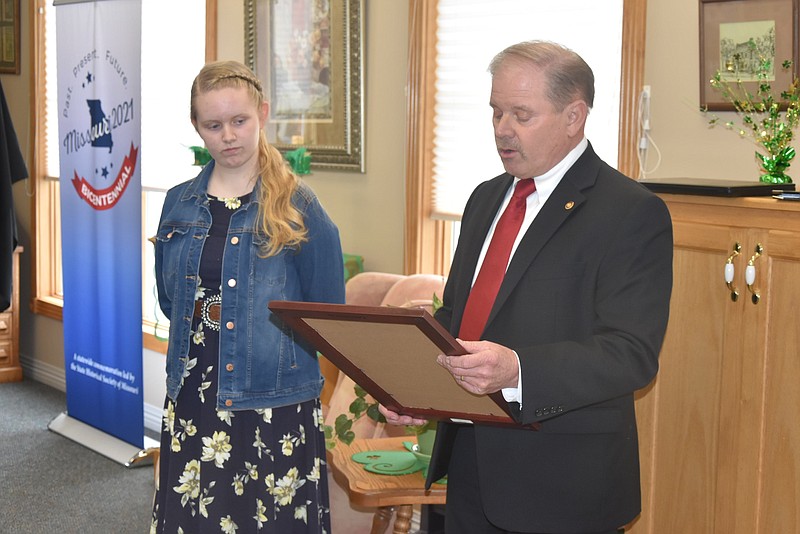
x: 402, y: 521
x: 381, y: 519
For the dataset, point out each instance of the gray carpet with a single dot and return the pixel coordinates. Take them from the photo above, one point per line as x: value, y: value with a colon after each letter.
x: 50, y: 484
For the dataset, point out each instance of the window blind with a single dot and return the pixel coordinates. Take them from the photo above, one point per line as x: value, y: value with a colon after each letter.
x: 470, y: 33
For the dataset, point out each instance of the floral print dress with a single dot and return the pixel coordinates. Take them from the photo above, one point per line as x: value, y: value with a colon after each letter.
x: 259, y: 471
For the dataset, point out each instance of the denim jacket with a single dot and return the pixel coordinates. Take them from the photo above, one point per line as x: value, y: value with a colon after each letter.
x: 262, y: 363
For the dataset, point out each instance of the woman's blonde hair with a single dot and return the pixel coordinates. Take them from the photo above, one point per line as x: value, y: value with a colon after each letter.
x: 278, y: 220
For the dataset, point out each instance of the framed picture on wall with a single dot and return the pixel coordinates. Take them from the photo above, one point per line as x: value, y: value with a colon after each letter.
x: 309, y: 56
x: 9, y: 36
x: 735, y: 35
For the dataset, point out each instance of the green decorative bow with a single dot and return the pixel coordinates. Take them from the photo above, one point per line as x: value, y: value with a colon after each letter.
x: 776, y: 164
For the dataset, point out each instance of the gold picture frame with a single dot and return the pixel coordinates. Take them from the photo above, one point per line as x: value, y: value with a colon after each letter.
x: 309, y: 56
x: 725, y: 28
x: 9, y: 36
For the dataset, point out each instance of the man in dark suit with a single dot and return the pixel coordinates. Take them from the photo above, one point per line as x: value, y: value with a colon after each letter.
x: 576, y: 324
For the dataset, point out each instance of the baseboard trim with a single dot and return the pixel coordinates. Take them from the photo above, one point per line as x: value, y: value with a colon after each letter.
x: 47, y: 374
x: 153, y: 417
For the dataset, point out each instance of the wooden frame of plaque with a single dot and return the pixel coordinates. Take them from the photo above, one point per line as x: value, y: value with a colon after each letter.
x: 391, y: 353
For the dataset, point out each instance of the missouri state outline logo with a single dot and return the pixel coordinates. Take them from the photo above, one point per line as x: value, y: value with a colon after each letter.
x: 98, y: 111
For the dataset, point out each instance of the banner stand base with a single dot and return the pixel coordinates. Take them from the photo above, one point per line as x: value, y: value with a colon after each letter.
x: 109, y: 446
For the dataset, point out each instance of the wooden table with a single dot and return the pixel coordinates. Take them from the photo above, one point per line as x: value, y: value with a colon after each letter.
x: 385, y: 492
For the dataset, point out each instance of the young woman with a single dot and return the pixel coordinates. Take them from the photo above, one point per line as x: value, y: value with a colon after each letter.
x: 242, y: 448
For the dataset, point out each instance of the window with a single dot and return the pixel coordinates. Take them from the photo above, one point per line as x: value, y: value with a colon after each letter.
x: 440, y: 36
x: 167, y: 73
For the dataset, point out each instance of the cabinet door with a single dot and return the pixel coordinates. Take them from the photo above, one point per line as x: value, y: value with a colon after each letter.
x: 679, y: 415
x: 779, y: 502
x: 742, y: 391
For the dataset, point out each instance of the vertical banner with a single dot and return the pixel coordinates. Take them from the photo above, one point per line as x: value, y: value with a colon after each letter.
x: 99, y: 86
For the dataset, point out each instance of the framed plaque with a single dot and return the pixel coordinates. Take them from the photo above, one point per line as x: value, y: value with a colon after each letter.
x: 736, y: 35
x: 391, y: 353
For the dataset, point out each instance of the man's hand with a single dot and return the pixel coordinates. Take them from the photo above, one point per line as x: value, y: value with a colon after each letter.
x: 394, y: 418
x: 487, y: 368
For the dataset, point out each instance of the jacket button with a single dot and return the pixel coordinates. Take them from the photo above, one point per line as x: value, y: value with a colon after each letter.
x: 229, y: 325
x: 229, y: 367
x: 235, y: 240
x: 229, y: 403
x: 232, y: 282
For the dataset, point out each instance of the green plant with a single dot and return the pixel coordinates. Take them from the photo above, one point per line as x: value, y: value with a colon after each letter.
x: 342, y: 429
x: 342, y: 426
x: 360, y: 407
x: 761, y: 113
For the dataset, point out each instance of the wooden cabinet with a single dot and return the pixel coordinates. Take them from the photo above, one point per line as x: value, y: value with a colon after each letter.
x: 720, y: 425
x: 10, y: 369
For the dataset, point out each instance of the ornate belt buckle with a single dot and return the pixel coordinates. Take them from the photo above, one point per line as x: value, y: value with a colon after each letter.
x: 205, y: 314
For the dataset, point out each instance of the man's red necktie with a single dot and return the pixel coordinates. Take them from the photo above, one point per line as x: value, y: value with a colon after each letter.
x: 484, y: 291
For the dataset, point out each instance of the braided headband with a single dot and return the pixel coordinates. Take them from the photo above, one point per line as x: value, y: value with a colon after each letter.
x: 252, y: 81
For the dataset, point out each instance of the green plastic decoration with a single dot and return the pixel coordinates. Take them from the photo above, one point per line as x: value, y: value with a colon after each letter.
x: 299, y: 160
x: 201, y: 155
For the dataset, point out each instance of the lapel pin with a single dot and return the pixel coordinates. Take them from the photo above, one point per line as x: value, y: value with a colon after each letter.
x: 569, y: 205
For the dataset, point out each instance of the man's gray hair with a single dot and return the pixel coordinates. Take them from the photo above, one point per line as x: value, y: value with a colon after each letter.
x: 568, y: 76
